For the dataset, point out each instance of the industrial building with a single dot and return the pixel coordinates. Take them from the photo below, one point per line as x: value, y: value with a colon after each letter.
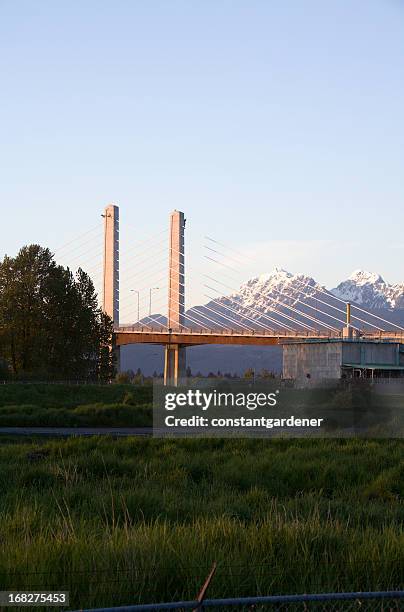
x: 342, y: 358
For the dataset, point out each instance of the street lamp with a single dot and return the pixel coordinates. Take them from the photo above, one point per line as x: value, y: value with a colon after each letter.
x: 138, y: 303
x: 150, y: 296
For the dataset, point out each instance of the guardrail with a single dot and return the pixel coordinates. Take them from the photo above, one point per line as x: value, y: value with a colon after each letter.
x: 227, y: 332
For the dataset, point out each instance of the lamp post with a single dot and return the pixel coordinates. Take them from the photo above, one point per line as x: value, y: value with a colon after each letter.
x: 138, y: 303
x: 150, y: 297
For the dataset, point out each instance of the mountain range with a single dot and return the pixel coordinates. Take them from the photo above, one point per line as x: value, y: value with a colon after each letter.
x: 281, y: 299
x: 277, y: 300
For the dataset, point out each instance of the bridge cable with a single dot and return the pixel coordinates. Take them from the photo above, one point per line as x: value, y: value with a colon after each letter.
x: 281, y: 304
x: 250, y: 308
x: 97, y: 227
x: 313, y: 297
x: 326, y: 325
x: 329, y: 294
x: 217, y: 300
x: 273, y: 309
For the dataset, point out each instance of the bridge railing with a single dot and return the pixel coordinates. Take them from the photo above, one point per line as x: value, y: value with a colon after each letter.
x: 227, y: 332
x: 387, y: 336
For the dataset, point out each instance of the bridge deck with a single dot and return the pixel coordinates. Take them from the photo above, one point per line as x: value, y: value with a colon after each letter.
x: 128, y: 335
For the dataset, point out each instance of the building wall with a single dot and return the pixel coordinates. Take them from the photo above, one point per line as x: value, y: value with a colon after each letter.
x: 370, y: 353
x: 319, y: 360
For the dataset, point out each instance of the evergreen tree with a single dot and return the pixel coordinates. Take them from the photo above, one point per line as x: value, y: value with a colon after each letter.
x: 50, y: 322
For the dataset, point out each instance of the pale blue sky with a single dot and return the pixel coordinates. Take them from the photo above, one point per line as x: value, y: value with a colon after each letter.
x: 276, y: 126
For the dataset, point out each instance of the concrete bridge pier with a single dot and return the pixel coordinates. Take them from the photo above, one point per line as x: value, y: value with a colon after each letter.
x: 175, y: 357
x: 174, y: 364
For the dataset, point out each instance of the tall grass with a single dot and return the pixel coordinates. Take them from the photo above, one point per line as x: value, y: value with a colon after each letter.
x: 139, y: 520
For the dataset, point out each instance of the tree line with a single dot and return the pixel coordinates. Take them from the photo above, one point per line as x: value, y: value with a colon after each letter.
x: 51, y: 326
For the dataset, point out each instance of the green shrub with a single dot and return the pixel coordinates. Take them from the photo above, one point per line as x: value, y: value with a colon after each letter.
x: 129, y: 399
x: 123, y: 378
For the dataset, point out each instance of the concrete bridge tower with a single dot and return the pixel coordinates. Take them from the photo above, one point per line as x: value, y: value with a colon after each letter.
x: 111, y: 268
x: 175, y: 359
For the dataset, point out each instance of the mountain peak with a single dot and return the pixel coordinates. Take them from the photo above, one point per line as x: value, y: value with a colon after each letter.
x: 363, y: 277
x: 370, y: 290
x: 275, y: 274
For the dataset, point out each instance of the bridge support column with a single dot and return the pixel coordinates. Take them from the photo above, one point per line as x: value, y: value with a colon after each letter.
x: 348, y: 331
x: 175, y: 357
x: 111, y: 270
x: 174, y: 364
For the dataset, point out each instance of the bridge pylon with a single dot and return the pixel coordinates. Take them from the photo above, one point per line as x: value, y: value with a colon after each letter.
x: 175, y: 356
x: 110, y: 299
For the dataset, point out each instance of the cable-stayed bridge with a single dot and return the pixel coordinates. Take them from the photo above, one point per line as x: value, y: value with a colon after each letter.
x: 154, y: 273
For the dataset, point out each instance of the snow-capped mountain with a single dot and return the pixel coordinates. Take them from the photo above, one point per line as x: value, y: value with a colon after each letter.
x: 275, y: 300
x: 281, y: 299
x: 277, y: 287
x: 371, y: 291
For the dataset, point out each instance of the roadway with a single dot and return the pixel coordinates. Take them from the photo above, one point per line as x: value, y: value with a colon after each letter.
x: 128, y: 335
x: 132, y: 335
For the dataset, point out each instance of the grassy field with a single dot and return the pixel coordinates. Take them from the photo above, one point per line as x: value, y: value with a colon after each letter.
x: 46, y: 405
x: 137, y: 520
x: 117, y: 405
